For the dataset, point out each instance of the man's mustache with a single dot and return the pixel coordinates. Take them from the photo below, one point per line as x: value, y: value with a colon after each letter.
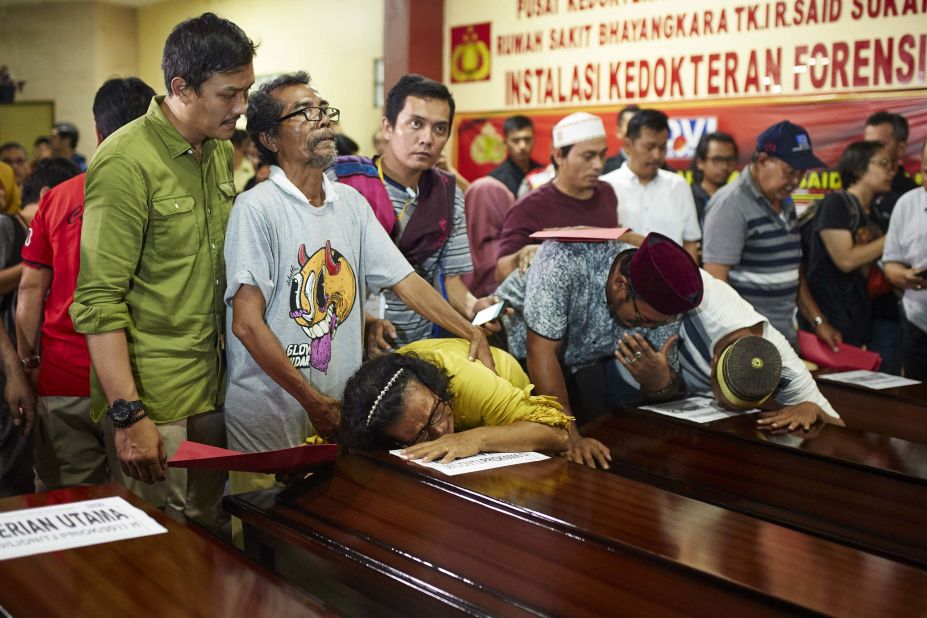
x: 315, y: 139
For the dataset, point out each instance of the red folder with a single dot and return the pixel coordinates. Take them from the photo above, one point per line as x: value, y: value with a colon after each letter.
x: 583, y: 234
x: 295, y: 459
x: 847, y: 358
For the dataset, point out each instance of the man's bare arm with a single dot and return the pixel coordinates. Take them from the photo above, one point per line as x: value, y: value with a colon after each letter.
x: 547, y: 376
x: 718, y: 271
x: 425, y: 301
x: 30, y: 309
x: 248, y: 325
x: 140, y: 448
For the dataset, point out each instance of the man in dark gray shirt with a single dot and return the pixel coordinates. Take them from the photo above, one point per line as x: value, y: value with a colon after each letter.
x: 751, y: 238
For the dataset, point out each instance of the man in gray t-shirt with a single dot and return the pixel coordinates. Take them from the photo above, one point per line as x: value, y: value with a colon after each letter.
x: 300, y: 251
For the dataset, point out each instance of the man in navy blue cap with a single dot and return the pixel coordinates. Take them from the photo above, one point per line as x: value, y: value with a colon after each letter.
x: 751, y: 238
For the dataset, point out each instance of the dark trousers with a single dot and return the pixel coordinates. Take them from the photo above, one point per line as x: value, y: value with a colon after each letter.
x: 594, y: 390
x: 915, y: 352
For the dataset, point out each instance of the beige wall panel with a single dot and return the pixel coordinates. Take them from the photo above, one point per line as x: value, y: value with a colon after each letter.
x: 336, y: 42
x: 51, y: 46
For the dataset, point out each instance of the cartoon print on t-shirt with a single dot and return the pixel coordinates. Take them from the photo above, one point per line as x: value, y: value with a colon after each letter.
x: 322, y: 292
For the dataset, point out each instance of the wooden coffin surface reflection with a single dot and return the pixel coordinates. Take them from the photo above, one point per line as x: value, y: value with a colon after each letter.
x: 855, y: 487
x: 556, y: 538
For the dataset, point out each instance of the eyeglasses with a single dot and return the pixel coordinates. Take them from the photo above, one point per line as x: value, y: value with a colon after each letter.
x: 315, y: 115
x: 718, y: 160
x: 883, y: 163
x: 638, y: 319
x: 435, y: 418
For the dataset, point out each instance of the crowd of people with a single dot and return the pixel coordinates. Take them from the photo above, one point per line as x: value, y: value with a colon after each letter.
x: 265, y: 287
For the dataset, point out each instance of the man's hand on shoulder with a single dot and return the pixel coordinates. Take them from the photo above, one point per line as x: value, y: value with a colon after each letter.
x: 479, y: 349
x: 525, y: 256
x: 380, y: 337
x: 325, y: 416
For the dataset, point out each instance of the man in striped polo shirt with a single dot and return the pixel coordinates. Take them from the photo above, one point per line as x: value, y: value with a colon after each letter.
x: 751, y: 238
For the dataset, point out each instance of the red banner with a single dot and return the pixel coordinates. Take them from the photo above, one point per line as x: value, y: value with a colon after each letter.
x: 833, y: 124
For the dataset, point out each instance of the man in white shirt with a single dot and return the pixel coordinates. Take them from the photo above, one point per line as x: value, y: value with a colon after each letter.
x: 905, y: 258
x: 722, y: 318
x: 651, y: 199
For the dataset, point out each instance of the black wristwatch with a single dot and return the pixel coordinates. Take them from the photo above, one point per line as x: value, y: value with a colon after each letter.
x: 126, y: 413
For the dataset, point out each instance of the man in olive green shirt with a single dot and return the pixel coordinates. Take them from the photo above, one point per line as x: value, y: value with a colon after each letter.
x: 149, y: 296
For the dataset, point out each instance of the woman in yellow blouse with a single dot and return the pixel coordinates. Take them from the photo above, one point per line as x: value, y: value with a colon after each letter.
x: 433, y: 402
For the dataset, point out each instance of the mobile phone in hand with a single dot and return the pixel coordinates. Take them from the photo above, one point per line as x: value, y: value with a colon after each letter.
x: 489, y: 314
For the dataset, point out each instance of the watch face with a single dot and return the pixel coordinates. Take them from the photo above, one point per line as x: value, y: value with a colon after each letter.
x: 121, y: 411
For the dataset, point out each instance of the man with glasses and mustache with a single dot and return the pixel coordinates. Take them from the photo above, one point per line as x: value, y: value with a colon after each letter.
x: 751, y: 236
x: 301, y: 252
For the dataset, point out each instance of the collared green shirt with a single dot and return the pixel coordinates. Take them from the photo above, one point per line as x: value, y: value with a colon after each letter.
x: 152, y: 263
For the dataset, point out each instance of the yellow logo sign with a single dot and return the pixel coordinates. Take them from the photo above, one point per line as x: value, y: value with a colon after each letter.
x: 471, y: 59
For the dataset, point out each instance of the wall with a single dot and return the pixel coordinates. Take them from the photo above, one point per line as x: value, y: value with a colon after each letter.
x: 336, y: 42
x: 66, y: 50
x: 52, y: 47
x: 116, y: 48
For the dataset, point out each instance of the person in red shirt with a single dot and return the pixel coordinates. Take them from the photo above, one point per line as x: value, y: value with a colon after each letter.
x: 69, y: 447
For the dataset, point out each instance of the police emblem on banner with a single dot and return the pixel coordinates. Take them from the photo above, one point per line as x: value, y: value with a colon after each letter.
x: 471, y: 58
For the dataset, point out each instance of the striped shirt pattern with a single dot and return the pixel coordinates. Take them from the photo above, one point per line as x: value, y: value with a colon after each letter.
x: 762, y: 247
x: 453, y: 257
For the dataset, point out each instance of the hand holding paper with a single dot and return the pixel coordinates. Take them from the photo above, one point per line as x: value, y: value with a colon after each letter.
x: 847, y: 357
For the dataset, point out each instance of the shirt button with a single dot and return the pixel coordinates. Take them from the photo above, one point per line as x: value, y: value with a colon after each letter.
x: 217, y: 282
x: 176, y: 205
x: 209, y: 211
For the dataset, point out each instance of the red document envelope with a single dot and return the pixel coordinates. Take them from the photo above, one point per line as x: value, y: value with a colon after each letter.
x: 847, y: 358
x: 196, y: 455
x: 586, y: 234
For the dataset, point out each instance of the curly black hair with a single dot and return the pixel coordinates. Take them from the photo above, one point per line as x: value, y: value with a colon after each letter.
x: 369, y: 382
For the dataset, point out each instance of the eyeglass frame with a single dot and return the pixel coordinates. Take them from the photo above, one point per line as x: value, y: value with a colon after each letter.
x: 432, y: 421
x: 333, y: 114
x: 638, y: 320
x: 885, y: 164
x: 717, y: 160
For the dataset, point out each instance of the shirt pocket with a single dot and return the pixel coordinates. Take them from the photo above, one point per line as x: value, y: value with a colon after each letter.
x: 174, y: 229
x: 226, y: 198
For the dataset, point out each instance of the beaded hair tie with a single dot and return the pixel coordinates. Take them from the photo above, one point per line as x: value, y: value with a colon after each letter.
x: 376, y: 401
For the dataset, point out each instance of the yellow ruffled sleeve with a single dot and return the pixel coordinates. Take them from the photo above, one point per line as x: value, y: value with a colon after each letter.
x: 482, y: 397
